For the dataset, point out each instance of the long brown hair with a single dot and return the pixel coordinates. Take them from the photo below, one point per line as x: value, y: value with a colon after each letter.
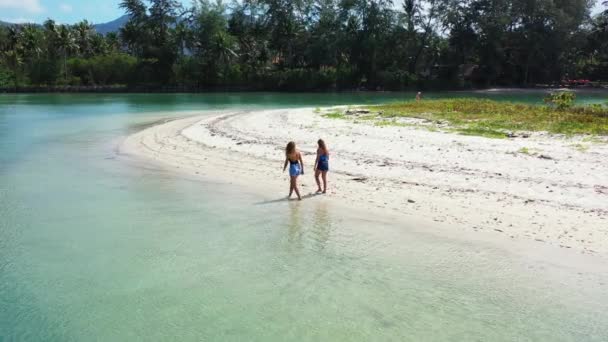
x: 322, y: 146
x: 291, y: 147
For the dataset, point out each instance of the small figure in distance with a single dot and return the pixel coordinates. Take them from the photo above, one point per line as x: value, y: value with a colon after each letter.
x: 418, y: 96
x: 322, y: 165
x: 296, y: 167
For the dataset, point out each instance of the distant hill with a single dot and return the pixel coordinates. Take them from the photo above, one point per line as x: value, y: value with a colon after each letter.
x: 104, y: 28
x: 4, y: 23
x: 112, y: 26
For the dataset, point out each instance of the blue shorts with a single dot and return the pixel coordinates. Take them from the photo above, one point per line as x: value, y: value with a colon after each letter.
x: 323, y: 166
x: 295, y: 170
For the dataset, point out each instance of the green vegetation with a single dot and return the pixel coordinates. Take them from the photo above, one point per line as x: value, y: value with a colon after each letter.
x: 496, y: 119
x: 114, y: 68
x: 317, y: 44
x: 524, y: 150
x: 482, y: 132
x: 561, y: 99
x: 593, y: 140
x: 531, y: 152
x: 581, y: 147
x: 382, y: 123
x: 335, y: 115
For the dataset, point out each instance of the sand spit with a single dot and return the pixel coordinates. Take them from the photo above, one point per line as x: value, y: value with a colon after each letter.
x: 544, y: 188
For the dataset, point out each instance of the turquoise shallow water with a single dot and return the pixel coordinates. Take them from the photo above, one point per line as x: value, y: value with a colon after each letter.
x: 94, y: 246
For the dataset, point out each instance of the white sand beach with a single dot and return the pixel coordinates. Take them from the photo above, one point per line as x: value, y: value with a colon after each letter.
x: 547, y: 189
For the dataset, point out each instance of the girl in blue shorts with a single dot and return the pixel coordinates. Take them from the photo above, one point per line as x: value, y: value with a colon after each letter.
x: 293, y: 157
x: 322, y: 165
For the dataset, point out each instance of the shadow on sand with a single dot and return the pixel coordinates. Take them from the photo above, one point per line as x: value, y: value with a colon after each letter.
x: 285, y: 199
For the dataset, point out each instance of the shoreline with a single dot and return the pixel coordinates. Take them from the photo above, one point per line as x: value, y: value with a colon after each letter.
x: 467, y: 184
x: 122, y: 89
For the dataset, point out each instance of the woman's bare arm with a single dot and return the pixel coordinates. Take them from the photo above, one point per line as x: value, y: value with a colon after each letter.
x: 301, y: 161
x: 317, y: 160
x: 285, y: 165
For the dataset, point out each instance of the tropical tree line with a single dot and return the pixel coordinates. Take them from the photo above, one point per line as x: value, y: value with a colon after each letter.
x: 317, y: 44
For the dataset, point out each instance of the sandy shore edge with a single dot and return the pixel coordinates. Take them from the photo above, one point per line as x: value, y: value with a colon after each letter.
x: 467, y: 184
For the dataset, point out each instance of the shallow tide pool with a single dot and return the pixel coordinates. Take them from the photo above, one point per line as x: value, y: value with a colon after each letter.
x: 96, y: 246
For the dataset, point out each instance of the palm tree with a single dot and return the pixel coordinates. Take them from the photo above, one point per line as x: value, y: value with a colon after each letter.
x: 66, y: 43
x: 51, y: 36
x: 131, y: 35
x: 136, y: 9
x: 135, y: 31
x: 182, y: 36
x: 30, y: 40
x: 411, y: 10
x: 223, y: 50
x: 99, y: 45
x: 13, y: 61
x: 50, y: 29
x: 223, y: 46
x: 113, y: 41
x: 3, y: 38
x: 14, y: 37
x: 84, y: 32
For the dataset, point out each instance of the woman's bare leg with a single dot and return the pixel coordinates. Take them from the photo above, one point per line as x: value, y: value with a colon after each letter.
x: 294, y: 181
x: 290, y: 187
x: 324, y: 182
x: 317, y: 174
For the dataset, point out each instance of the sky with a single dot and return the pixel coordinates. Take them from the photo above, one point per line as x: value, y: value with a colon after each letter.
x: 71, y: 11
x: 62, y: 11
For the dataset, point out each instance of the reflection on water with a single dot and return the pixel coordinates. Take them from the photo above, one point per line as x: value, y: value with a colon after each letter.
x: 294, y: 226
x: 310, y: 227
x: 322, y: 224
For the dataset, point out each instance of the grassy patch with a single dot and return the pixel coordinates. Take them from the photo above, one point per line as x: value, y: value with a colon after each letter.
x: 368, y: 117
x: 335, y: 115
x: 530, y: 151
x: 494, y: 119
x: 483, y: 132
x: 580, y: 147
x: 382, y: 123
x: 480, y: 129
x: 593, y: 139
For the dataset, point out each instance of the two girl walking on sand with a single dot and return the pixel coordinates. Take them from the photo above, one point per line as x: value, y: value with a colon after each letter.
x: 293, y: 157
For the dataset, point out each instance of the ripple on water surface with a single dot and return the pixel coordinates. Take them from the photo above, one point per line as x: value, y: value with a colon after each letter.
x: 96, y: 248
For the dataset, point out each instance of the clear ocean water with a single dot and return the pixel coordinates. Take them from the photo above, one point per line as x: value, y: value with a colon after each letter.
x: 96, y: 247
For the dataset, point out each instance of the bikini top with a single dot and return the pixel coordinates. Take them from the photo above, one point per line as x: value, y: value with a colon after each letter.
x: 293, y: 162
